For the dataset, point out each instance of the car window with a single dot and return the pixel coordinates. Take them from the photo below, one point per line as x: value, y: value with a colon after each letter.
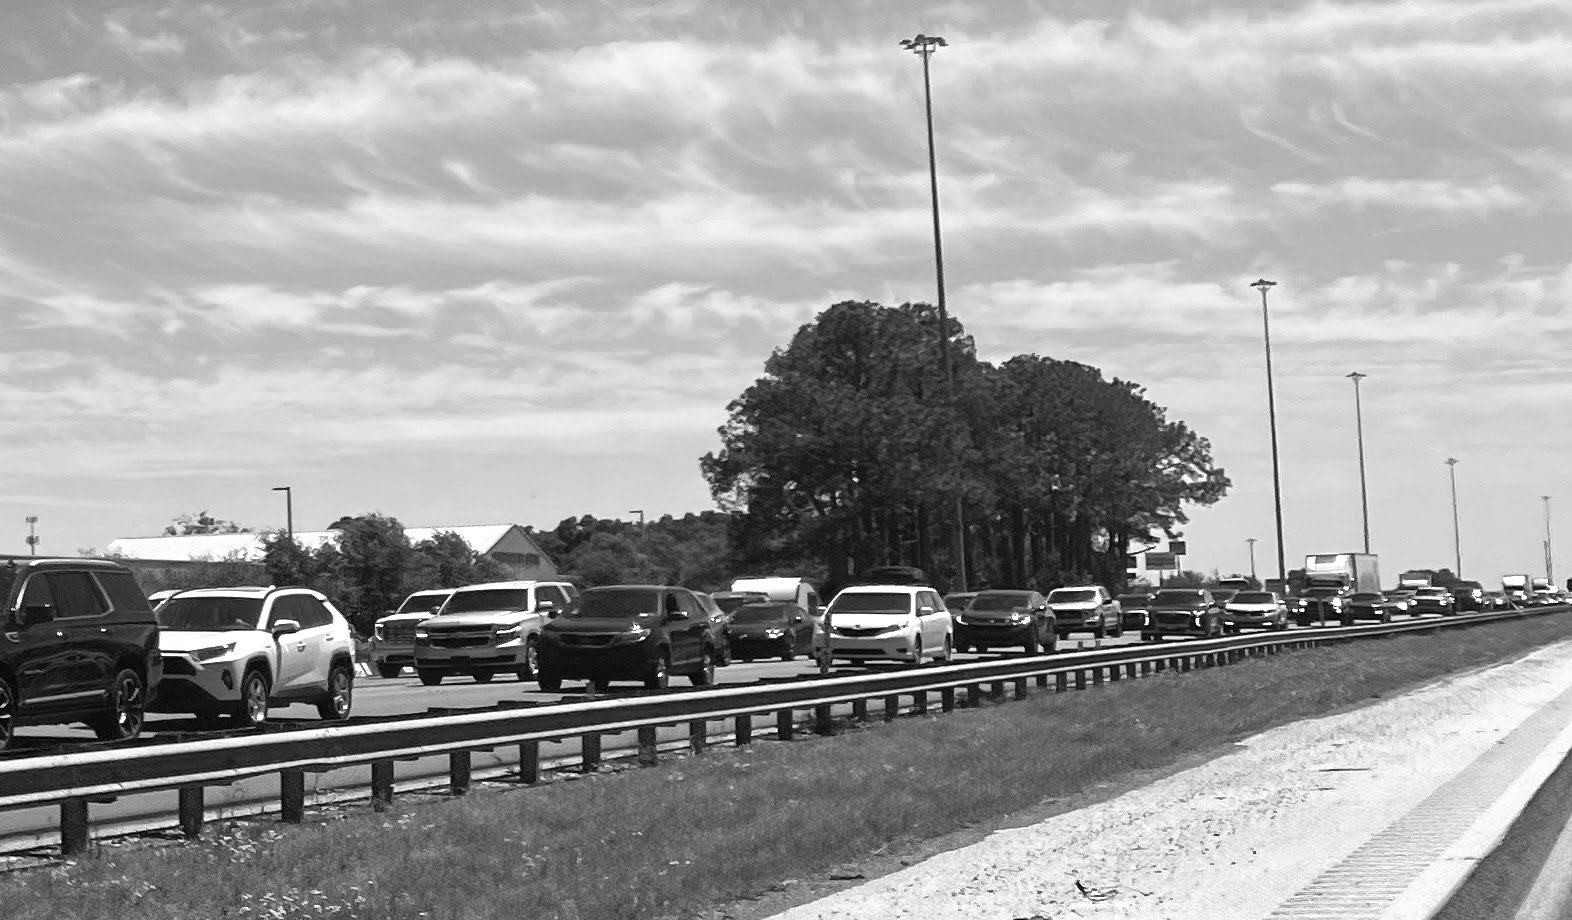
x: 896, y: 603
x: 209, y: 614
x: 552, y: 593
x: 691, y: 605
x: 283, y: 608
x: 76, y: 595
x: 311, y: 612
x: 37, y: 593
x: 123, y: 591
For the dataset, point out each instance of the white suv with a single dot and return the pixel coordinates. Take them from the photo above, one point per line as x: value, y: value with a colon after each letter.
x: 490, y: 629
x: 237, y: 651
x: 872, y: 622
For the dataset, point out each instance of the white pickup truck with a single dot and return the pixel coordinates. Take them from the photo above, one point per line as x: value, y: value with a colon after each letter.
x: 490, y: 629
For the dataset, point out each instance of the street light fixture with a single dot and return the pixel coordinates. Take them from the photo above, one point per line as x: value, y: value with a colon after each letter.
x: 1251, y: 541
x: 1359, y: 421
x: 32, y: 535
x: 924, y: 46
x: 1457, y: 538
x: 289, y: 510
x: 640, y: 513
x: 1263, y: 286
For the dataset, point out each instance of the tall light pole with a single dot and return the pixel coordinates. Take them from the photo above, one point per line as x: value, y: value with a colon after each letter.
x: 1550, y: 574
x: 1251, y: 541
x: 1359, y: 422
x: 32, y: 535
x: 289, y: 510
x: 1457, y: 538
x: 924, y: 46
x: 1263, y: 286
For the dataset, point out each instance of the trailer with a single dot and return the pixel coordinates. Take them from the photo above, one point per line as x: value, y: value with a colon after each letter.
x: 1352, y: 572
x: 1516, y: 588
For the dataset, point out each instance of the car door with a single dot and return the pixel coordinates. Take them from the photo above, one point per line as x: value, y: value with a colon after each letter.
x: 294, y: 658
x: 931, y: 609
x: 687, y: 645
x: 44, y: 679
x: 80, y: 609
x: 321, y: 636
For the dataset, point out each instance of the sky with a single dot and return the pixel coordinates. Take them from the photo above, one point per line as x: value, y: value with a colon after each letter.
x: 509, y: 262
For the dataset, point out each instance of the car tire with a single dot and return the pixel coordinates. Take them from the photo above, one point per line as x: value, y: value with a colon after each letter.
x: 7, y: 713
x: 531, y: 659
x: 389, y: 671
x: 917, y: 652
x: 127, y: 709
x: 341, y: 694
x: 549, y: 682
x: 790, y: 652
x: 948, y: 654
x: 600, y: 685
x: 483, y: 677
x: 1386, y: 616
x: 1118, y: 631
x: 1101, y: 631
x: 251, y: 708
x: 1033, y: 644
x: 705, y: 675
x: 431, y: 678
x: 658, y: 674
x: 1052, y: 645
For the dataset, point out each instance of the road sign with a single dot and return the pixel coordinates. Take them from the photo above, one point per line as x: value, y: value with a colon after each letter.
x: 1162, y: 561
x: 1177, y: 547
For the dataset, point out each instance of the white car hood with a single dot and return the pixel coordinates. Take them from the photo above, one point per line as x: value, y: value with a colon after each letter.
x: 1072, y: 605
x: 182, y: 640
x: 869, y: 620
x: 406, y: 618
x: 1252, y: 608
x: 481, y: 618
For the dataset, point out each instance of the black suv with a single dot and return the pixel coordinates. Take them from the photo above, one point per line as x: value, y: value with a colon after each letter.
x: 629, y: 632
x: 81, y: 645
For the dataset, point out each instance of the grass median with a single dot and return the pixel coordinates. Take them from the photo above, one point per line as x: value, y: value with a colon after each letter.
x: 695, y: 832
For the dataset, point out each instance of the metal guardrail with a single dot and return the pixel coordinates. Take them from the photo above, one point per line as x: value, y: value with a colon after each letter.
x: 75, y: 780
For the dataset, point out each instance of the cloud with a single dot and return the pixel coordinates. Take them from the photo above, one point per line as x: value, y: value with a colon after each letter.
x: 1429, y: 195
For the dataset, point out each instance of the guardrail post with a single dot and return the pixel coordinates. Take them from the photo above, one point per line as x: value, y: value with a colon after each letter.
x: 1160, y: 665
x: 191, y: 811
x: 1021, y: 691
x: 1113, y: 672
x: 947, y: 699
x: 292, y: 795
x: 1146, y: 669
x: 1042, y: 681
x: 823, y: 721
x: 860, y: 710
x: 381, y: 785
x: 783, y: 725
x: 458, y: 772
x: 892, y: 706
x: 1061, y: 682
x: 1080, y: 679
x: 590, y: 759
x: 649, y: 754
x: 920, y: 702
x: 743, y: 733
x: 529, y: 762
x: 1129, y: 670
x: 1185, y: 663
x: 996, y: 691
x: 698, y: 735
x: 73, y: 827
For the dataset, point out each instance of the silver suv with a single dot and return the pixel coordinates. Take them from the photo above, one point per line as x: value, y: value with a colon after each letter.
x: 490, y: 629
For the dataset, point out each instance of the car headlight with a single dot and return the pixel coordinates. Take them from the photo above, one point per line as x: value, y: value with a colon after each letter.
x: 631, y: 636
x: 213, y: 651
x: 376, y: 631
x: 774, y: 633
x: 509, y: 632
x: 422, y: 633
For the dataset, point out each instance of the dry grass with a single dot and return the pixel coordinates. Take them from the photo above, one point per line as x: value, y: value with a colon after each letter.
x: 696, y: 832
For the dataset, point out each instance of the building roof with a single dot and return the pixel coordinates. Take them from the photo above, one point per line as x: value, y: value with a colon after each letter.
x: 249, y: 547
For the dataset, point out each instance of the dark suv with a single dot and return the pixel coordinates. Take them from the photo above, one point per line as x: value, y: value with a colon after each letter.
x: 629, y: 632
x: 81, y: 646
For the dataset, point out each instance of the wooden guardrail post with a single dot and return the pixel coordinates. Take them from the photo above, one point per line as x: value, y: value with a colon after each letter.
x: 784, y: 724
x: 1021, y: 690
x: 1042, y: 681
x: 1113, y: 672
x: 920, y: 702
x: 743, y: 730
x: 823, y: 720
x: 292, y: 795
x: 947, y: 699
x: 73, y: 827
x: 649, y: 752
x: 1129, y: 670
x: 996, y: 691
x: 590, y: 752
x: 459, y: 772
x: 529, y: 762
x: 191, y: 811
x: 860, y: 709
x: 1080, y: 679
x: 892, y: 707
x: 698, y: 735
x: 381, y: 785
x: 1146, y: 669
x: 1061, y: 682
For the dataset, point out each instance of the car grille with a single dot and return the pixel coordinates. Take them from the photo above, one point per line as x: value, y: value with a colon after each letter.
x: 1172, y: 618
x: 987, y: 621
x: 175, y: 664
x: 460, y: 638
x: 858, y: 633
x: 398, y: 632
x: 587, y: 641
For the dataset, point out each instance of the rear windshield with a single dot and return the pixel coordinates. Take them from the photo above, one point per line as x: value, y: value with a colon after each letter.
x: 1432, y: 592
x: 491, y: 599
x: 420, y: 603
x: 1072, y: 596
x: 1129, y: 599
x: 618, y: 604
x: 1177, y: 597
x: 1367, y: 596
x: 894, y: 602
x: 1253, y: 597
x: 728, y: 604
x: 763, y: 613
x: 210, y: 614
x: 1000, y: 601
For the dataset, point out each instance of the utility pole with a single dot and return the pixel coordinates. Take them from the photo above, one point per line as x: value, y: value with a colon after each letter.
x: 640, y: 513
x: 1457, y: 538
x: 289, y: 510
x: 32, y: 535
x: 1359, y: 421
x: 1263, y: 286
x: 1251, y: 541
x: 924, y: 46
x: 1550, y: 574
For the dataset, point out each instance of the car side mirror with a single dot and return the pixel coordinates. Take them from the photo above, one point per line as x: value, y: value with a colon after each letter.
x: 388, y: 613
x: 677, y: 615
x: 33, y: 614
x: 285, y: 627
x: 925, y: 611
x: 549, y: 608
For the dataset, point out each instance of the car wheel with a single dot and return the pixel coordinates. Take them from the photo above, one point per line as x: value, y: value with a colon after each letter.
x: 1033, y: 643
x: 725, y: 656
x: 431, y: 678
x: 7, y: 714
x: 254, y: 690
x: 483, y: 677
x: 600, y: 684
x: 659, y: 674
x: 917, y: 651
x: 1118, y: 630
x: 1386, y: 616
x: 341, y: 694
x: 789, y: 652
x: 531, y: 659
x: 1101, y: 631
x: 705, y: 676
x: 127, y: 704
x: 389, y: 671
x: 948, y: 654
x: 549, y: 682
x: 1052, y: 645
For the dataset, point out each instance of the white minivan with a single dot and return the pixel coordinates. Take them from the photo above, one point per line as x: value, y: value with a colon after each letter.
x: 785, y: 588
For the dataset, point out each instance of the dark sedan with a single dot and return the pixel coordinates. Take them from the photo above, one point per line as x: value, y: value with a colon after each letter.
x: 770, y: 629
x: 1368, y: 605
x: 1133, y: 607
x: 1468, y: 596
x: 1002, y: 619
x: 1434, y: 600
x: 1320, y: 604
x: 1183, y: 612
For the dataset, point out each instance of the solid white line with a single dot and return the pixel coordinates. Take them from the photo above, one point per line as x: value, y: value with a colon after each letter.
x: 1551, y: 895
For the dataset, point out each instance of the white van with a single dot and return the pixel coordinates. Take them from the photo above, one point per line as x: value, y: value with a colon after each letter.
x: 785, y: 588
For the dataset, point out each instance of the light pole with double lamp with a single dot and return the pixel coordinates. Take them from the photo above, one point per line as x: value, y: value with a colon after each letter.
x: 924, y: 46
x: 1263, y: 286
x: 1359, y: 423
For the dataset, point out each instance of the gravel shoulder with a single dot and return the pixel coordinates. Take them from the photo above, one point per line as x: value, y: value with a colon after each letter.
x: 1229, y: 836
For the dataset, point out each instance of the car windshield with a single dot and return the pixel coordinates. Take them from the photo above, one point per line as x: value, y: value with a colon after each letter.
x: 762, y: 613
x: 1323, y: 592
x: 894, y: 603
x: 423, y: 602
x: 1000, y: 601
x: 209, y: 614
x: 1432, y: 592
x: 1071, y: 596
x: 489, y: 599
x: 1254, y: 597
x: 1367, y: 596
x: 959, y: 601
x: 1177, y: 598
x: 8, y: 577
x: 728, y: 604
x: 1129, y: 600
x: 618, y: 604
